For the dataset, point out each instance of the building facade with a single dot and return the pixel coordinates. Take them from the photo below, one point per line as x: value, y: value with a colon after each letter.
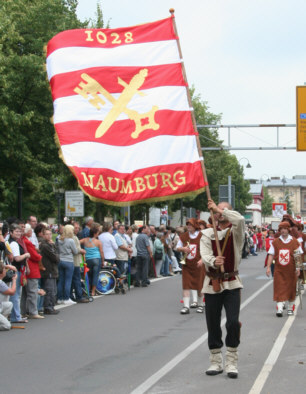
x: 281, y: 189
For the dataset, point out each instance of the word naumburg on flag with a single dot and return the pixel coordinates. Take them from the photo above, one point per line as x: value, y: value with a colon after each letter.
x: 121, y: 113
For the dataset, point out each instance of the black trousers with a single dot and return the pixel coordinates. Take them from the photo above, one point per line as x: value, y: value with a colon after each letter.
x: 230, y: 299
x: 142, y: 264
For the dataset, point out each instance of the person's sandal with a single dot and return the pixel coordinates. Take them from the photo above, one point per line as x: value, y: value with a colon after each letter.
x: 185, y: 311
x: 200, y: 309
x: 194, y: 305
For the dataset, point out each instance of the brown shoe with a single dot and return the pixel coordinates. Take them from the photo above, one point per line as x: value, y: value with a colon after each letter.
x: 51, y: 312
x: 36, y: 317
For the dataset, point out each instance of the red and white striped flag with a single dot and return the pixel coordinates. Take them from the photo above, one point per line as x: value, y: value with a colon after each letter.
x: 121, y: 113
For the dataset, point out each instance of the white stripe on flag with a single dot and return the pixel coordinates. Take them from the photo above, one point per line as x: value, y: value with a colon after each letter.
x: 77, y: 108
x: 157, y: 151
x: 145, y: 54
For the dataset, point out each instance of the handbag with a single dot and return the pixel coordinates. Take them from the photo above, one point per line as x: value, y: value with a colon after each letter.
x: 23, y: 276
x: 158, y: 255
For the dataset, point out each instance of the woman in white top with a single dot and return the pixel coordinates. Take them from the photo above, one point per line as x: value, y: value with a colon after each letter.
x: 20, y: 261
x: 109, y: 243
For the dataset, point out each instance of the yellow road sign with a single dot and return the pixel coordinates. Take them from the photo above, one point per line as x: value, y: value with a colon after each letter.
x: 301, y: 118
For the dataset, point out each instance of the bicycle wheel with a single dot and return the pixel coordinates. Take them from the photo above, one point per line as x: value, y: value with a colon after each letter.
x: 106, y: 282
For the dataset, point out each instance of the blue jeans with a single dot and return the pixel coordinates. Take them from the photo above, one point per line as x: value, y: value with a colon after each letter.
x: 94, y: 266
x: 15, y: 299
x: 40, y: 299
x: 122, y: 265
x: 65, y: 272
x: 165, y: 267
x: 76, y: 283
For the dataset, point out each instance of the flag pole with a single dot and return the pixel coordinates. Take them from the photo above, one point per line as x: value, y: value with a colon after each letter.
x: 197, y: 138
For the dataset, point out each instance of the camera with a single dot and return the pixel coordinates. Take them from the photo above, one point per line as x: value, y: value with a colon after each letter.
x: 8, y: 276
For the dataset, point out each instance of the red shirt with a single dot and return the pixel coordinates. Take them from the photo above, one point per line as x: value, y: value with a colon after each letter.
x: 33, y: 260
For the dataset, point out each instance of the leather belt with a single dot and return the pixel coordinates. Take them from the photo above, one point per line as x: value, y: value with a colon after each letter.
x: 221, y: 275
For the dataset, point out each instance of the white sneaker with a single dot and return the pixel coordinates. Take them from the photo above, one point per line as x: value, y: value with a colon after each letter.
x: 69, y: 302
x: 59, y: 302
x: 279, y: 309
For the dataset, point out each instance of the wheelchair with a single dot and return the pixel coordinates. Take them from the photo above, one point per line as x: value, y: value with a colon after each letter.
x: 110, y: 281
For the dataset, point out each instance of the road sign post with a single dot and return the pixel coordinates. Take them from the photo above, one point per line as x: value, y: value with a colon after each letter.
x: 74, y: 203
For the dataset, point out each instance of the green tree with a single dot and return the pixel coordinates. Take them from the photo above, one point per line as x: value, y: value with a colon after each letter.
x: 219, y: 164
x: 266, y: 203
x: 98, y: 22
x: 27, y: 136
x: 289, y: 204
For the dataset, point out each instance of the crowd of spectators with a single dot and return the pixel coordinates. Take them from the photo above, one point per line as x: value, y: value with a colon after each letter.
x: 257, y: 239
x: 39, y: 270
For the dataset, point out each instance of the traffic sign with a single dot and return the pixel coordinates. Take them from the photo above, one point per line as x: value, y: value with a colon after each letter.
x: 301, y: 118
x: 74, y: 203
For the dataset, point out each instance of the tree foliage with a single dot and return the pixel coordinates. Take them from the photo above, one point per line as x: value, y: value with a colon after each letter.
x: 27, y: 136
x: 219, y: 164
x: 266, y: 203
x: 289, y: 204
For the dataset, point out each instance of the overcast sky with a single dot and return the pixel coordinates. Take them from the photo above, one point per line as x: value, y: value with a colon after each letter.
x: 244, y: 57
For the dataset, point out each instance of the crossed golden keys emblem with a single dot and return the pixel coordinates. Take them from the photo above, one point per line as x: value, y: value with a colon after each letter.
x: 90, y: 89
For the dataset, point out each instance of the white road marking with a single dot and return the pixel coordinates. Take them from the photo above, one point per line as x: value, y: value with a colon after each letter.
x: 274, y: 354
x: 146, y: 385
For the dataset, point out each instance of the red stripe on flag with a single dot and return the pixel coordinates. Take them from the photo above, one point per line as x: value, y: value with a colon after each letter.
x: 147, y: 183
x: 119, y: 134
x: 63, y: 85
x: 110, y: 38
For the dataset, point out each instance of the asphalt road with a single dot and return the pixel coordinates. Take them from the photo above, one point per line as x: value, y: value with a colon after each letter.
x: 139, y: 342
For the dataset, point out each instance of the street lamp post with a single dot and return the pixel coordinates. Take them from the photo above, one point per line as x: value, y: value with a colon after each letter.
x: 284, y: 182
x: 59, y: 195
x: 248, y: 165
x: 267, y: 180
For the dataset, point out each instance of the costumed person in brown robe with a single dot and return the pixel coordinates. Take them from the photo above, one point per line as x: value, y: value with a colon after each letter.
x: 193, y: 272
x: 282, y: 251
x: 222, y: 289
x: 303, y: 271
x: 297, y: 232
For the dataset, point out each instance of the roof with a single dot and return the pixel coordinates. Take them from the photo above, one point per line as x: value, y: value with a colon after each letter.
x: 300, y: 182
x: 256, y: 189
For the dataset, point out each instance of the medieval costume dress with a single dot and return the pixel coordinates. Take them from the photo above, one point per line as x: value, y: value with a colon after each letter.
x: 284, y: 270
x: 192, y: 274
x: 295, y: 231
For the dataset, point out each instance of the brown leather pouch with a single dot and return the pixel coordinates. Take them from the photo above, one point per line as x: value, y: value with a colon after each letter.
x: 216, y: 285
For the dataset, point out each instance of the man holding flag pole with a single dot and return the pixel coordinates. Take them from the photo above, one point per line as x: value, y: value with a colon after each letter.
x: 123, y: 93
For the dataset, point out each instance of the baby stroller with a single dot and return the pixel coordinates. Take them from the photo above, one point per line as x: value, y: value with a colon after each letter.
x: 110, y: 281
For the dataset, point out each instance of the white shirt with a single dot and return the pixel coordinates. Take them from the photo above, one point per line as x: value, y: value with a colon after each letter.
x: 285, y: 241
x: 134, y: 236
x: 128, y: 239
x: 192, y: 236
x: 15, y: 248
x: 34, y: 239
x: 109, y: 245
